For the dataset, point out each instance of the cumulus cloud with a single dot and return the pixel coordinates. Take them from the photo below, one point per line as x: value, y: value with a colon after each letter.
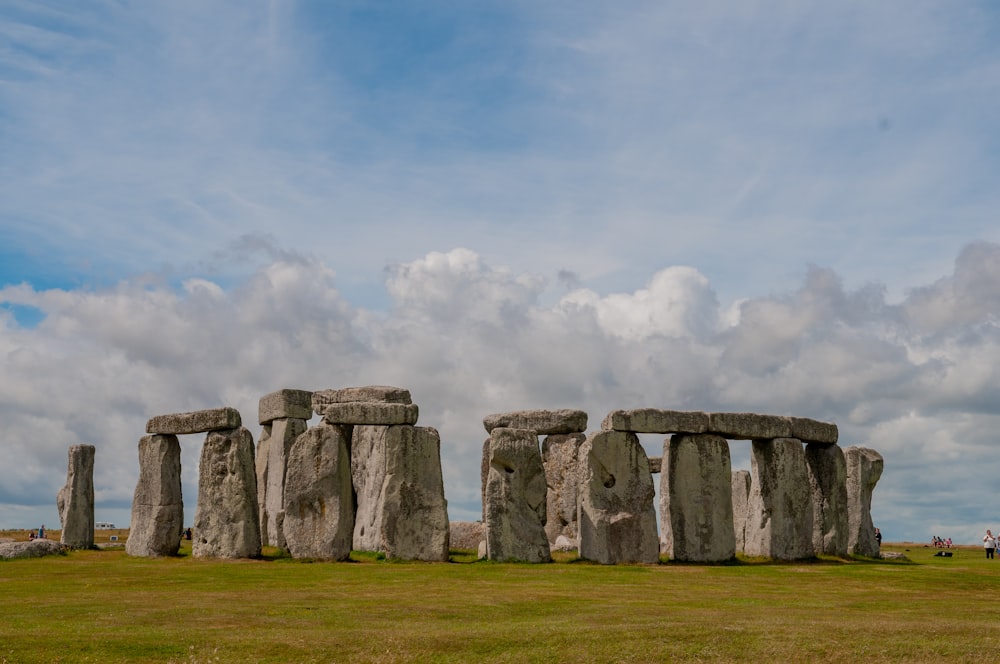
x: 469, y: 338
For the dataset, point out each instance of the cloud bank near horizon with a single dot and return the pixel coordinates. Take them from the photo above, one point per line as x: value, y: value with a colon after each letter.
x: 913, y: 379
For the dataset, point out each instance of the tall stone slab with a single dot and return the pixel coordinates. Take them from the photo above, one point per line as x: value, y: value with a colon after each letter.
x: 617, y: 518
x: 157, y: 507
x: 227, y: 520
x: 741, y: 497
x: 413, y: 518
x: 864, y: 468
x: 515, y: 498
x: 276, y: 439
x: 319, y: 509
x: 779, y: 512
x: 560, y: 457
x: 828, y: 483
x: 368, y: 467
x: 75, y: 501
x: 696, y: 507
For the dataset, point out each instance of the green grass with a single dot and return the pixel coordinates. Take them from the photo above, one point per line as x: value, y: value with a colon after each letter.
x: 103, y: 606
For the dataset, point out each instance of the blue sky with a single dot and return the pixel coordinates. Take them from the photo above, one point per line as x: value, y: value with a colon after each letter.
x: 786, y: 207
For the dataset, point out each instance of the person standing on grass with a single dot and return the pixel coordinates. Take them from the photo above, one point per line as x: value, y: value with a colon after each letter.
x: 989, y: 543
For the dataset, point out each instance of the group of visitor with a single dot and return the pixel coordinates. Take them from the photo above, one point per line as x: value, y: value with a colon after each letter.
x: 41, y: 534
x: 941, y: 543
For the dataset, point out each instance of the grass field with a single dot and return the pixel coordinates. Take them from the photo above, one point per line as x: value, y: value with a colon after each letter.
x: 103, y: 606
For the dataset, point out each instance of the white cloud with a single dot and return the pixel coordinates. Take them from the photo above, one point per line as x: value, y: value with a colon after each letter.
x: 468, y: 338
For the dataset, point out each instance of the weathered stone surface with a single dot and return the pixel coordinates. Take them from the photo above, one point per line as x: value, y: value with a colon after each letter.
x: 368, y: 463
x: 414, y: 512
x: 656, y: 420
x: 319, y: 510
x: 749, y: 426
x: 275, y: 443
x: 515, y: 498
x: 371, y: 413
x: 864, y: 468
x: 814, y: 432
x: 696, y: 507
x: 34, y: 549
x: 484, y: 473
x: 560, y: 457
x: 617, y: 519
x: 779, y: 512
x: 374, y: 393
x: 157, y: 507
x: 655, y: 464
x: 296, y: 404
x: 542, y: 422
x: 828, y: 484
x: 199, y: 421
x: 741, y: 497
x: 399, y: 491
x: 466, y: 535
x: 75, y: 500
x: 227, y: 520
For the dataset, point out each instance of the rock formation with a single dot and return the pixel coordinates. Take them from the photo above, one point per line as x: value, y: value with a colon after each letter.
x: 227, y: 521
x: 75, y: 500
x: 560, y: 458
x: 696, y: 507
x: 864, y: 468
x: 617, y: 519
x: 157, y: 508
x: 828, y: 484
x: 779, y: 511
x: 515, y: 498
x: 741, y: 497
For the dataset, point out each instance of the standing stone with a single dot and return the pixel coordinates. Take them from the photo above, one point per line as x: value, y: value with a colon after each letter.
x: 696, y: 506
x: 515, y: 498
x: 75, y: 501
x: 741, y: 496
x: 779, y: 512
x: 368, y: 463
x: 227, y: 520
x: 484, y: 473
x: 319, y: 509
x: 157, y: 508
x: 560, y: 457
x: 276, y: 441
x: 414, y: 512
x: 617, y: 519
x: 864, y: 468
x: 828, y: 482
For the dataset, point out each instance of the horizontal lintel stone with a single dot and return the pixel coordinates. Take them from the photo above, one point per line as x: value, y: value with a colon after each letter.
x: 371, y: 413
x: 542, y: 422
x: 656, y: 420
x: 199, y: 421
x: 749, y: 426
x: 285, y: 403
x: 813, y: 431
x: 369, y: 393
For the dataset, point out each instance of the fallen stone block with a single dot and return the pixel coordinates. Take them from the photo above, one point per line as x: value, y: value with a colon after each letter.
x: 285, y: 403
x: 542, y: 422
x: 199, y: 421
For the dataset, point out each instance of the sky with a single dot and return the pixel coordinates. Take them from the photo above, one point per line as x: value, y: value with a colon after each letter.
x: 778, y: 207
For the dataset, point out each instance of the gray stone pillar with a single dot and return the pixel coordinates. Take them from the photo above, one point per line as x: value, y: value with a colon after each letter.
x: 617, y: 518
x: 696, y: 507
x: 157, y: 507
x: 319, y: 509
x: 75, y: 501
x: 741, y: 498
x: 779, y: 512
x: 276, y: 441
x: 227, y: 520
x: 864, y: 468
x: 560, y: 457
x: 516, y: 498
x: 828, y: 484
